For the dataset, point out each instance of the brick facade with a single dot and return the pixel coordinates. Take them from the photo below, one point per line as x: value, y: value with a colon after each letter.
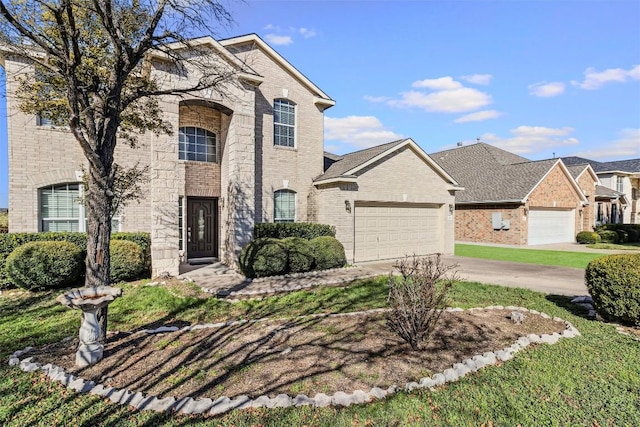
x: 474, y: 222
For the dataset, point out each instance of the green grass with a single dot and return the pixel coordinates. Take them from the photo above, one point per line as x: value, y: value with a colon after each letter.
x: 592, y: 380
x: 529, y: 256
x: 616, y: 246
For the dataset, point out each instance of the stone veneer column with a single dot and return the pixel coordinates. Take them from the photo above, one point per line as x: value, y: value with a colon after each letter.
x: 237, y: 216
x: 167, y: 184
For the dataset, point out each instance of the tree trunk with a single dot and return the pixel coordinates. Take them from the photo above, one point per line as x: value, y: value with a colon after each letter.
x: 98, y: 262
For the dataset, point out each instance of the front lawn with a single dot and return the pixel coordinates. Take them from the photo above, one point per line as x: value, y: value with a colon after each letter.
x: 529, y: 256
x: 585, y: 381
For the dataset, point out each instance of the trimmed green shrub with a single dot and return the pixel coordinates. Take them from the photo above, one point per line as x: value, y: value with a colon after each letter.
x: 282, y: 230
x: 623, y: 236
x: 588, y: 237
x: 141, y: 239
x: 608, y: 236
x: 127, y: 260
x: 614, y: 284
x: 299, y: 255
x: 44, y: 265
x: 634, y: 235
x: 11, y: 241
x: 328, y: 252
x: 263, y: 257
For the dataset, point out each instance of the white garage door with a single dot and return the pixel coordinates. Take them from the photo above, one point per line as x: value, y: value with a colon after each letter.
x: 393, y: 230
x: 551, y: 226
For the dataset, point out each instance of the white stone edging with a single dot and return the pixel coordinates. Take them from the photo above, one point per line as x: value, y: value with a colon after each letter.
x: 188, y: 405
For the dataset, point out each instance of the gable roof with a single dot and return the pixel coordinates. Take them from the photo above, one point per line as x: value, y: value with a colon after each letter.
x: 492, y: 175
x: 578, y: 170
x: 627, y: 166
x: 343, y: 168
x: 631, y: 165
x: 321, y: 97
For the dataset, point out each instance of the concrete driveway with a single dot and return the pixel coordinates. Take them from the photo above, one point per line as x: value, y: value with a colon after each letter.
x: 543, y: 278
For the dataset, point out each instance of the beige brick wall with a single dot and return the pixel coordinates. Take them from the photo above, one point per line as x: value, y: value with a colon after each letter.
x: 283, y: 167
x: 400, y: 177
x: 41, y: 156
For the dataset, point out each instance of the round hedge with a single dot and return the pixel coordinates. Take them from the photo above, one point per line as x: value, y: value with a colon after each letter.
x: 127, y: 260
x: 634, y: 235
x: 614, y: 284
x: 263, y: 257
x: 45, y: 265
x: 328, y: 252
x: 299, y: 255
x: 608, y: 236
x: 588, y: 237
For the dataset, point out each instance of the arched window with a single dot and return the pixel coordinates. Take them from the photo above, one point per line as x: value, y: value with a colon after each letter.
x: 284, y: 206
x: 197, y: 144
x: 284, y: 123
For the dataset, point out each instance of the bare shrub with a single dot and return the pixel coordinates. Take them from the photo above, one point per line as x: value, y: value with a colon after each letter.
x: 416, y: 297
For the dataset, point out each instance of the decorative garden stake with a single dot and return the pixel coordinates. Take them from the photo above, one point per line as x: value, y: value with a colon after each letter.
x: 90, y: 301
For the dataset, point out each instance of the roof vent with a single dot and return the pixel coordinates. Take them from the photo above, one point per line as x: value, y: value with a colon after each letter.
x: 459, y: 144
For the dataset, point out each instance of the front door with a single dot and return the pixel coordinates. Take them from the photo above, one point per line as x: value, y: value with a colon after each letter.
x: 202, y: 228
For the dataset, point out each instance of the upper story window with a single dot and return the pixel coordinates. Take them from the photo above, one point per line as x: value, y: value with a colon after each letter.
x: 61, y: 209
x: 284, y: 123
x: 284, y: 203
x: 197, y: 144
x: 620, y: 184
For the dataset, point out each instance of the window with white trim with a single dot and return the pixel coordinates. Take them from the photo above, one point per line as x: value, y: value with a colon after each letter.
x: 284, y: 123
x: 60, y: 209
x: 197, y: 144
x: 284, y: 206
x: 620, y: 184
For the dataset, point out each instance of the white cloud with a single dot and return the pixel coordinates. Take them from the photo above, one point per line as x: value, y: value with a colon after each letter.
x: 279, y: 40
x: 478, y: 116
x: 532, y: 139
x: 478, y: 79
x: 546, y: 90
x: 442, y: 83
x: 307, y: 33
x: 596, y: 79
x: 442, y: 95
x: 444, y: 101
x: 626, y: 145
x: 271, y: 27
x: 357, y: 131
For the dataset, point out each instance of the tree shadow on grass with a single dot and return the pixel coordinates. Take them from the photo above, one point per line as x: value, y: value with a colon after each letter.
x: 564, y: 302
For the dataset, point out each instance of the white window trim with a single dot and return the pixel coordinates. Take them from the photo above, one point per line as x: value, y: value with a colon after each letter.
x: 82, y: 212
x: 295, y: 205
x: 294, y: 126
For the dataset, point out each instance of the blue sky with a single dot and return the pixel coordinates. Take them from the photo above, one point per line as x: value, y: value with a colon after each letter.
x: 534, y: 77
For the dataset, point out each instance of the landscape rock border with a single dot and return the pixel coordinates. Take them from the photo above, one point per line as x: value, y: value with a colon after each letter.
x: 189, y: 406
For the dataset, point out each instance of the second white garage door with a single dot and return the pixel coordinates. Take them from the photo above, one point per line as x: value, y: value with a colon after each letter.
x: 393, y: 230
x: 551, y: 226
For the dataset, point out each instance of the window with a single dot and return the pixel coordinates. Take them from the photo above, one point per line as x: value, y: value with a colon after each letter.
x: 619, y: 184
x: 284, y: 202
x: 197, y: 144
x: 284, y: 123
x: 634, y: 194
x: 61, y: 209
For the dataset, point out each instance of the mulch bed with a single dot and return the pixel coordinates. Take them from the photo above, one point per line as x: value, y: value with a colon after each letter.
x: 303, y: 356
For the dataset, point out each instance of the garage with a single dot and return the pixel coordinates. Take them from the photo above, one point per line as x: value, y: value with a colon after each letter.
x: 393, y: 230
x: 551, y: 226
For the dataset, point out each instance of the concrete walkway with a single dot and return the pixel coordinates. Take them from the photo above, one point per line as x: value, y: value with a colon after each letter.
x: 217, y: 279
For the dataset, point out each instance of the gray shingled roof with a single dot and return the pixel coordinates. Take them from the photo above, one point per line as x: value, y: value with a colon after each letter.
x: 606, y: 192
x: 631, y: 165
x: 574, y: 160
x: 490, y: 174
x: 339, y: 165
x: 576, y: 170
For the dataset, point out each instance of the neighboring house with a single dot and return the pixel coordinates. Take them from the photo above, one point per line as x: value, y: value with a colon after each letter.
x: 509, y: 199
x: 620, y: 181
x: 253, y: 153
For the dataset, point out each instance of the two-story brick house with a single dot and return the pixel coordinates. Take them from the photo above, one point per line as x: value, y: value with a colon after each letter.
x: 251, y: 152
